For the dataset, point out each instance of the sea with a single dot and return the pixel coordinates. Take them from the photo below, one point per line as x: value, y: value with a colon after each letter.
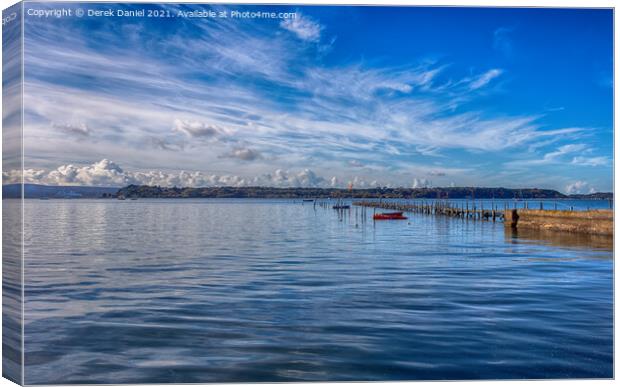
x: 262, y: 290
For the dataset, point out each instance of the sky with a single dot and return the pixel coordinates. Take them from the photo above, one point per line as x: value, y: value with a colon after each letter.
x: 369, y: 96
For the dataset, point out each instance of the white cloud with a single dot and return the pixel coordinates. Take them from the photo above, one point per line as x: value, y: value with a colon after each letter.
x: 579, y: 187
x: 420, y: 183
x: 485, y: 79
x: 307, y: 178
x: 357, y: 84
x: 15, y: 176
x: 304, y: 27
x: 564, y: 150
x: 104, y: 173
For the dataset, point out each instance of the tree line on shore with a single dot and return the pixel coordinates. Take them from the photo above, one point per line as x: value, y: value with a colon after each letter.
x: 145, y: 191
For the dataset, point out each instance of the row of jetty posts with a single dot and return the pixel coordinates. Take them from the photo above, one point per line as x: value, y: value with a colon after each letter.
x: 465, y: 210
x: 344, y: 210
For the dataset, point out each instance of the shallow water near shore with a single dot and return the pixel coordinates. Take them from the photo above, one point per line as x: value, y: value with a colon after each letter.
x: 217, y: 290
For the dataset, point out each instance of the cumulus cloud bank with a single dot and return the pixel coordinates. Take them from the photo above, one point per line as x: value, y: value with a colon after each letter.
x: 106, y: 173
x: 102, y: 173
x: 420, y: 183
x: 579, y: 187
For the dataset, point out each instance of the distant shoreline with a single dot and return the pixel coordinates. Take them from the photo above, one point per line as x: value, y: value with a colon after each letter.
x: 142, y: 191
x: 155, y: 192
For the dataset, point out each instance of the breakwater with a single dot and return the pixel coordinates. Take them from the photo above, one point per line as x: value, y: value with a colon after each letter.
x: 595, y: 222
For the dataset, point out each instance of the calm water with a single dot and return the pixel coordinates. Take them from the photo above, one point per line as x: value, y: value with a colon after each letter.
x: 251, y: 290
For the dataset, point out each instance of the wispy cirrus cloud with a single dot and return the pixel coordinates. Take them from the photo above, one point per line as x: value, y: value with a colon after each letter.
x: 303, y: 27
x: 565, y: 154
x: 591, y: 161
x: 485, y: 78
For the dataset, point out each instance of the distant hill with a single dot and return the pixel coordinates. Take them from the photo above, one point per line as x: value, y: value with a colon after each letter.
x: 36, y: 191
x: 143, y: 191
x: 594, y: 196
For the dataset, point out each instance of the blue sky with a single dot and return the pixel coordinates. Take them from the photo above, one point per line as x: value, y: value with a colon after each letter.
x: 386, y: 96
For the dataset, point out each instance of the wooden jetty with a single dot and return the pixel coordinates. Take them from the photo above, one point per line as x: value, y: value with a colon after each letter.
x: 593, y: 222
x: 465, y: 210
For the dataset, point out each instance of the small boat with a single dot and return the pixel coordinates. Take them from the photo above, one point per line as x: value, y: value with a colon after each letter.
x: 120, y: 198
x: 308, y: 200
x: 341, y: 207
x: 134, y: 198
x: 389, y: 216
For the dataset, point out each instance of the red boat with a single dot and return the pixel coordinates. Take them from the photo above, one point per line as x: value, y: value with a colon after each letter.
x: 389, y: 216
